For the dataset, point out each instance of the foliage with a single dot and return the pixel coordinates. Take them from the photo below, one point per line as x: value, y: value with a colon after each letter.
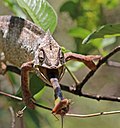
x: 15, y: 8
x: 41, y: 12
x: 87, y: 19
x: 104, y: 31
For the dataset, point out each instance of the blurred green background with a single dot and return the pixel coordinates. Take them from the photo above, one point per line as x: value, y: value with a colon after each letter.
x: 76, y: 19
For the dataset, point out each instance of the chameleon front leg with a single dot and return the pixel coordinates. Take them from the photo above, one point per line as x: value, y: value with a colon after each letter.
x: 87, y: 60
x: 27, y: 97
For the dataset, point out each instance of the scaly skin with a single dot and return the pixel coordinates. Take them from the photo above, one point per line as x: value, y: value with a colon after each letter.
x: 27, y: 46
x: 18, y: 39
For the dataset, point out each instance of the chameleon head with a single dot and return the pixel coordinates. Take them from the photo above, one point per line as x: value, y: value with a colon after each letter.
x: 49, y: 59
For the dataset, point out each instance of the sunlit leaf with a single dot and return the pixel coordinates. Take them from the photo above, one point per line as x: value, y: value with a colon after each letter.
x: 79, y: 32
x: 12, y: 4
x: 108, y: 41
x: 74, y: 65
x: 41, y: 13
x: 104, y: 31
x: 64, y: 50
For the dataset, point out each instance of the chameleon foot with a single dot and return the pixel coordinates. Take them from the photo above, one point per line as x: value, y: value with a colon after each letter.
x: 62, y: 107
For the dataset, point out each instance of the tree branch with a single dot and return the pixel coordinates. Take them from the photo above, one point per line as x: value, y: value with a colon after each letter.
x: 78, y: 90
x: 91, y: 73
x: 13, y: 69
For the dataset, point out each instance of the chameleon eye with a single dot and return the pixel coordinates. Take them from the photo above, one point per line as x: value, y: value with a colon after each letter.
x: 41, y: 56
x: 61, y: 57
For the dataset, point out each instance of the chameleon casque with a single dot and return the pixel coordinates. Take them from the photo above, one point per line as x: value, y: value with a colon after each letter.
x: 27, y: 46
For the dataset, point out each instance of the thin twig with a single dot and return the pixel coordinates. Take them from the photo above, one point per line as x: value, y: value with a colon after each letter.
x: 113, y: 64
x: 73, y: 76
x: 50, y: 109
x: 93, y: 115
x: 13, y: 117
x: 11, y: 96
x: 20, y: 112
x: 44, y: 107
x: 20, y: 99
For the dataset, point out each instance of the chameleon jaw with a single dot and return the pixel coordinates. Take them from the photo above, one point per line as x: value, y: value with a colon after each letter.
x: 45, y: 73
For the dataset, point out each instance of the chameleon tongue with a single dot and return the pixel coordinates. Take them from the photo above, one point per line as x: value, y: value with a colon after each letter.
x: 57, y: 89
x: 61, y: 105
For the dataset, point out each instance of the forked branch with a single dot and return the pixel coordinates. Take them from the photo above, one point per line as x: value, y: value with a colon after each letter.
x: 50, y: 109
x: 78, y: 90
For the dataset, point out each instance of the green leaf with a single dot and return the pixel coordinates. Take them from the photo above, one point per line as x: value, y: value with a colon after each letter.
x: 36, y: 84
x: 79, y: 32
x: 108, y: 41
x: 12, y: 4
x: 64, y: 50
x: 70, y: 7
x: 74, y: 66
x: 41, y: 13
x: 32, y: 119
x: 104, y: 31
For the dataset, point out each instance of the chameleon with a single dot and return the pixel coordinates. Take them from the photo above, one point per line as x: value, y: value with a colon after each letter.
x: 30, y: 48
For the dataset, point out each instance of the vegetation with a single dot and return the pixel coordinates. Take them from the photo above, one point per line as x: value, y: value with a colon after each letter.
x: 92, y: 35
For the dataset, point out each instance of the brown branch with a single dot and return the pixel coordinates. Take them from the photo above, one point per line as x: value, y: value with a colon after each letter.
x: 91, y: 73
x: 78, y: 90
x: 99, y: 97
x: 13, y: 69
x: 47, y: 108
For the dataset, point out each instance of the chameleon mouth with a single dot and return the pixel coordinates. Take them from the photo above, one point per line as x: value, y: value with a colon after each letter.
x: 46, y: 74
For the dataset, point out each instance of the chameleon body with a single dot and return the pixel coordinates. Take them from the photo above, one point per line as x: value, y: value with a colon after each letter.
x: 27, y: 46
x: 18, y: 39
x: 22, y: 41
